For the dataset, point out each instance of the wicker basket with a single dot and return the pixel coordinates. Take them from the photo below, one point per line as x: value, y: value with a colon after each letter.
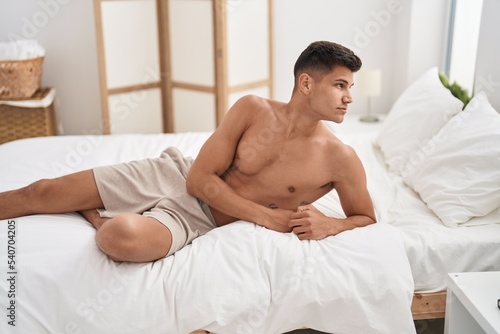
x: 21, y: 122
x: 20, y: 79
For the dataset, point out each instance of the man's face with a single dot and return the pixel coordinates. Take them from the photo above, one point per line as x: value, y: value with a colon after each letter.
x: 331, y: 94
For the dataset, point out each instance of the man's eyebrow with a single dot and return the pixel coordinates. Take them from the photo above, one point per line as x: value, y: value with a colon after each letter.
x: 344, y: 81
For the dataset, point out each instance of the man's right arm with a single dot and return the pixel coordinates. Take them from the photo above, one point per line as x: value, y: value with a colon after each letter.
x: 204, y: 179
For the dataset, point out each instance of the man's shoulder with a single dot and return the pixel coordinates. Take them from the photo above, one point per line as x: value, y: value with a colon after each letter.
x: 247, y: 111
x: 253, y: 107
x: 337, y: 148
x: 254, y: 101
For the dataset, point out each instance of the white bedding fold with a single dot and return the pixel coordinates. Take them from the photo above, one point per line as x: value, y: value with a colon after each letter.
x: 240, y: 278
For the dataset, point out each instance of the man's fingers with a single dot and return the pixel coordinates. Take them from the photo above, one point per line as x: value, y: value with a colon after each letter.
x: 300, y: 232
x: 300, y: 214
x: 297, y: 219
x: 304, y: 236
x: 303, y: 208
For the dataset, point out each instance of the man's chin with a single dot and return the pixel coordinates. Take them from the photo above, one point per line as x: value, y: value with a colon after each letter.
x: 338, y: 119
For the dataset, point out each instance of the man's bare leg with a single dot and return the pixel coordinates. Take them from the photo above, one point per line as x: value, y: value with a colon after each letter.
x: 126, y: 237
x: 130, y: 237
x: 73, y: 192
x: 94, y: 217
x: 134, y: 238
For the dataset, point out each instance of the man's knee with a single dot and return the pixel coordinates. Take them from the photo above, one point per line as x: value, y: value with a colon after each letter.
x: 117, y: 237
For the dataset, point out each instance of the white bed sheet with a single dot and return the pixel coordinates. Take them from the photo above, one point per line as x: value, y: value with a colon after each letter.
x: 240, y: 278
x: 432, y: 248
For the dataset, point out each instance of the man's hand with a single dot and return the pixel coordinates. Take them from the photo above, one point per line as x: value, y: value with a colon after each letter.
x: 309, y: 223
x: 278, y: 220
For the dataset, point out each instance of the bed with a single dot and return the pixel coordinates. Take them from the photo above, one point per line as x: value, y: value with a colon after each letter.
x: 243, y: 278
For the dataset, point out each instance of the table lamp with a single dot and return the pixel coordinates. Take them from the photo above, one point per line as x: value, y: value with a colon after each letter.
x: 370, y: 84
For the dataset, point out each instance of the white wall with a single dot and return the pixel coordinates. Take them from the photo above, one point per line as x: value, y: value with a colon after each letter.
x: 66, y: 29
x: 466, y: 25
x: 488, y: 55
x: 402, y: 44
x: 300, y: 22
x: 402, y: 37
x: 421, y: 40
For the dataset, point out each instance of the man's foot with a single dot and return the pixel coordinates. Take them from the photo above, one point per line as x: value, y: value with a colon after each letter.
x: 93, y: 217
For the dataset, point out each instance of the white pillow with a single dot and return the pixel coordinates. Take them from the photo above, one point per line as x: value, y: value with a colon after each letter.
x: 418, y: 114
x: 457, y: 173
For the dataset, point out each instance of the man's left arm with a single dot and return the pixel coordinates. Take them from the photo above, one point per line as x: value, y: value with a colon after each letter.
x: 309, y: 223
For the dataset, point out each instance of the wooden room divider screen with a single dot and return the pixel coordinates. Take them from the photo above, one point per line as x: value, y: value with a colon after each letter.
x: 177, y: 65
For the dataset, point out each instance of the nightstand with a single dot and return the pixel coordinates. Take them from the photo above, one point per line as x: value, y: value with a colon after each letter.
x: 353, y: 125
x: 32, y: 117
x: 471, y: 303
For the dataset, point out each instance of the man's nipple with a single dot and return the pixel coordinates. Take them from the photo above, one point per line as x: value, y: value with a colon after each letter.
x: 291, y: 189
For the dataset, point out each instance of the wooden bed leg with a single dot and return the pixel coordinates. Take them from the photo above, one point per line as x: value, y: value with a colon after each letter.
x: 428, y: 305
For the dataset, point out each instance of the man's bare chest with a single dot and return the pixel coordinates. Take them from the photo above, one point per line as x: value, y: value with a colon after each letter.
x: 284, y: 166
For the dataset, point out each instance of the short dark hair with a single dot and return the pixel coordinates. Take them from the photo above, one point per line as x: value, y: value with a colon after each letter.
x: 321, y: 57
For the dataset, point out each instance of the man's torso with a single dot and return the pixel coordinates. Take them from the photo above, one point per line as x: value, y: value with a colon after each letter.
x: 276, y: 171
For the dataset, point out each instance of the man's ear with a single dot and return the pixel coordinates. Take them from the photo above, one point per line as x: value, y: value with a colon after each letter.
x: 306, y: 83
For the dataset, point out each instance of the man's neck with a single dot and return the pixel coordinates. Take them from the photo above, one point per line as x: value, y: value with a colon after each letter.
x: 298, y: 119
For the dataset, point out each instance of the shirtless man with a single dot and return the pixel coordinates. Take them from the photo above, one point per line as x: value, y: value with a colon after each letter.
x: 265, y: 163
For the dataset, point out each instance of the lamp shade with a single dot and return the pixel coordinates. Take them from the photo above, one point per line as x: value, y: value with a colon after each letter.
x: 370, y: 81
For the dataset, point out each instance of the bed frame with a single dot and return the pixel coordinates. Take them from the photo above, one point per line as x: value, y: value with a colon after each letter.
x: 428, y: 305
x: 424, y: 306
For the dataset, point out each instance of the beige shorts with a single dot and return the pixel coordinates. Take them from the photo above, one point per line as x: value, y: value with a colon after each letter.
x: 155, y: 188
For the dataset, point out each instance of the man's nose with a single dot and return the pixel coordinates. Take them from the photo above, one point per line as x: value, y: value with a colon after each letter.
x: 347, y: 98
